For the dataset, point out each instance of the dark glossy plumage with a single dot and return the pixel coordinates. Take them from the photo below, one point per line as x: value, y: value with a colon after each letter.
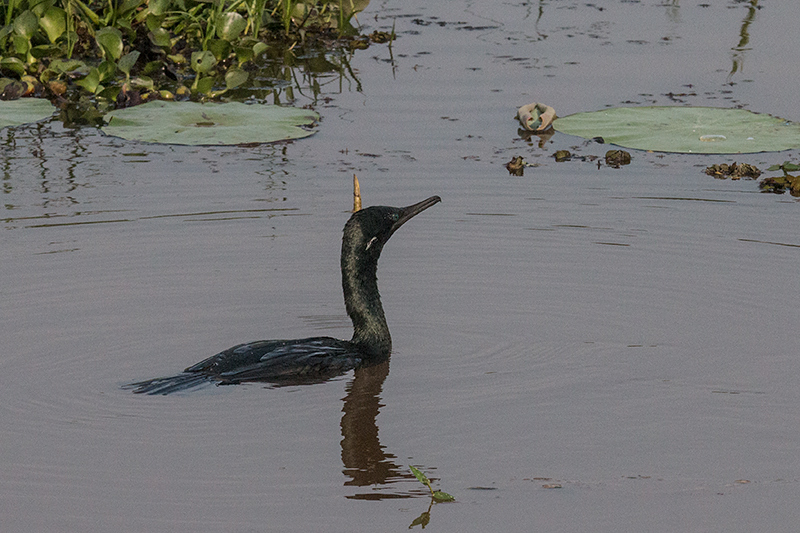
x: 314, y: 359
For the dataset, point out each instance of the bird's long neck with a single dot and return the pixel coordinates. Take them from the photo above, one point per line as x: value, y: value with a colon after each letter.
x: 361, y: 297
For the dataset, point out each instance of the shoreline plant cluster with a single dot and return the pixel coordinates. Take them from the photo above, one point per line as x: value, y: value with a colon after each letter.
x: 123, y: 52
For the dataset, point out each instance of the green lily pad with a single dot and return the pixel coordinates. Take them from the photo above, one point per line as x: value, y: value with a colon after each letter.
x: 702, y: 130
x: 24, y: 111
x: 209, y: 124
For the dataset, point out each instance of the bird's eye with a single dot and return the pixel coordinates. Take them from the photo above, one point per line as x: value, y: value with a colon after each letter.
x: 394, y: 217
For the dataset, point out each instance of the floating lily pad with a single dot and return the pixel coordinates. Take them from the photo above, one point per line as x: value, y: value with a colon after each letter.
x: 209, y: 124
x: 24, y: 111
x: 704, y: 130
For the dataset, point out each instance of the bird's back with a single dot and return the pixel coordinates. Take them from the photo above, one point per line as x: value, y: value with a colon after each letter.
x: 283, y: 362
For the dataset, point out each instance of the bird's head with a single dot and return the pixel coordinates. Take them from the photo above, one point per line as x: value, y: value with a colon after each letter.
x: 371, y: 227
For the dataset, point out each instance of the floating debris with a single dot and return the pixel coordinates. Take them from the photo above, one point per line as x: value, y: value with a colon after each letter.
x: 562, y: 155
x: 381, y: 37
x: 734, y: 171
x: 536, y: 116
x: 617, y: 158
x: 779, y: 185
x: 516, y: 166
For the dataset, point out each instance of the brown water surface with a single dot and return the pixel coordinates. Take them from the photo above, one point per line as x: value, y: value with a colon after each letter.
x: 629, y: 335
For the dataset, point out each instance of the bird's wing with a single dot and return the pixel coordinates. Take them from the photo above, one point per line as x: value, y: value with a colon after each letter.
x: 298, y: 361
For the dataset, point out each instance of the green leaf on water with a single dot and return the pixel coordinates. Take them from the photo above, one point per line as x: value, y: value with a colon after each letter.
x: 420, y: 476
x: 440, y: 496
x: 24, y: 111
x: 193, y: 123
x: 707, y: 130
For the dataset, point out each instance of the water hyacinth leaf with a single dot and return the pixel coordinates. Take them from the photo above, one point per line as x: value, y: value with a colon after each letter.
x: 91, y: 82
x: 143, y: 82
x: 24, y: 111
x: 54, y: 23
x: 203, y: 61
x: 259, y: 48
x: 243, y: 54
x: 204, y: 86
x: 106, y: 69
x: 704, y: 130
x: 45, y: 50
x: 230, y: 26
x: 160, y: 37
x: 192, y: 123
x: 154, y: 22
x: 159, y: 7
x: 26, y: 24
x: 220, y: 48
x: 21, y: 44
x: 235, y: 77
x: 13, y: 64
x: 126, y: 62
x: 110, y: 41
x: 62, y: 66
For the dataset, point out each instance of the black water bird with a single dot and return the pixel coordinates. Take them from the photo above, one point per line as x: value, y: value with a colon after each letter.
x: 314, y: 359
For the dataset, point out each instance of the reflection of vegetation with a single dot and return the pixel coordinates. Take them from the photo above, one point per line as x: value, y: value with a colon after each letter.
x: 540, y: 13
x: 744, y: 40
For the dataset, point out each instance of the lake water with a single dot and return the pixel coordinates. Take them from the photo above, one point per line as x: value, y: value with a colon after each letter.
x: 579, y: 348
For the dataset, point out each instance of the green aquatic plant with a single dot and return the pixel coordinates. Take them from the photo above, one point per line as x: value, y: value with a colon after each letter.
x: 437, y: 495
x: 783, y: 183
x: 192, y: 123
x: 174, y: 39
x: 786, y: 167
x: 24, y: 111
x: 706, y: 130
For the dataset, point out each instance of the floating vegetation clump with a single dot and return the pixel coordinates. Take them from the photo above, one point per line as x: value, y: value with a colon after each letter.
x: 617, y: 158
x: 783, y: 183
x: 734, y: 171
x: 129, y: 51
x: 516, y: 166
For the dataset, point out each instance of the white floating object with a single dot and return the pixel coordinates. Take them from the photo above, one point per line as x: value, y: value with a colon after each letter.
x: 712, y: 138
